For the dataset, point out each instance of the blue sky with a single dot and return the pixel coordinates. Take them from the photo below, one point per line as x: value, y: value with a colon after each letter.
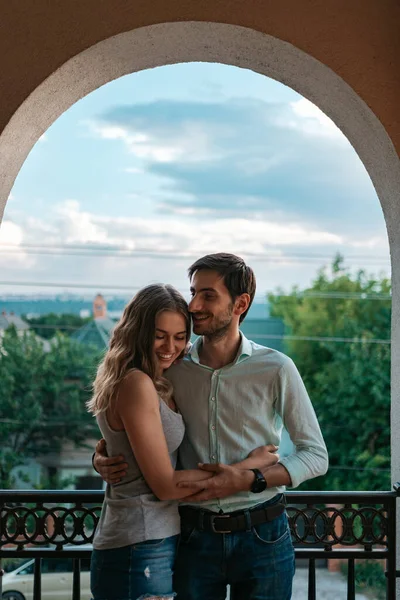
x: 184, y: 160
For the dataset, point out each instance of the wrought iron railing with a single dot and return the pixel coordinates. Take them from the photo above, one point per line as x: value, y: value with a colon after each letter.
x: 344, y: 525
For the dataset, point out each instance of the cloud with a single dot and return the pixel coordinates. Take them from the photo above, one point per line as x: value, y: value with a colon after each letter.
x: 165, y: 246
x: 248, y: 158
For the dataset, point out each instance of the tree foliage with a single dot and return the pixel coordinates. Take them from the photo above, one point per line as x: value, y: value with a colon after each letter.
x: 42, y: 397
x: 46, y: 326
x: 348, y: 378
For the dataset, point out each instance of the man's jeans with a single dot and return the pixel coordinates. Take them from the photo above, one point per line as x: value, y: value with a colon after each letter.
x: 258, y: 564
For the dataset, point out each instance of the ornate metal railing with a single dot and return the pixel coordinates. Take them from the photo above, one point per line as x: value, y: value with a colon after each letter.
x: 345, y: 525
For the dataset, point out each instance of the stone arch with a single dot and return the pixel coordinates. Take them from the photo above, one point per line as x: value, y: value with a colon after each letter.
x: 186, y: 41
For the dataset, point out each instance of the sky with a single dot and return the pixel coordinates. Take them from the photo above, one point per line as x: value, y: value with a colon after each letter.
x: 153, y: 170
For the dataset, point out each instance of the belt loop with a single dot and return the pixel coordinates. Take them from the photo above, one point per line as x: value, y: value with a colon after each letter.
x: 201, y: 520
x: 247, y: 519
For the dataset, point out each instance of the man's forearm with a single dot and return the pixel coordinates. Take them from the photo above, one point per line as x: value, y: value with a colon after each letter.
x: 276, y: 476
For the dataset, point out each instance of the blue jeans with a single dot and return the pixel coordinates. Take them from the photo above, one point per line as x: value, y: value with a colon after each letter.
x: 258, y: 564
x: 134, y: 572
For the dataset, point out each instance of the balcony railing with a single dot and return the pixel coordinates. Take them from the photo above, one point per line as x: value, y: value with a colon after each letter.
x: 344, y: 525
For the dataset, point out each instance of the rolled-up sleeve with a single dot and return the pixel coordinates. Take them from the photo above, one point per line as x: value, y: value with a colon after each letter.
x: 292, y: 403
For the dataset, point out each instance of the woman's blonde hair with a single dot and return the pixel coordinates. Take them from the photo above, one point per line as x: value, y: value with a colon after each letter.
x: 132, y: 344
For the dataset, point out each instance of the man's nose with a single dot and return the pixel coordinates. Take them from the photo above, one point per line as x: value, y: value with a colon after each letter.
x: 195, y: 305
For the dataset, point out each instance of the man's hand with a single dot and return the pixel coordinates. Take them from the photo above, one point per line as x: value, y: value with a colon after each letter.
x: 112, y: 468
x: 267, y: 455
x: 227, y: 481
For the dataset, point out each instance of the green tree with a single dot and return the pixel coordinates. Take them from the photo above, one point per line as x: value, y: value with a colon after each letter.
x: 42, y: 397
x: 47, y: 325
x: 348, y: 377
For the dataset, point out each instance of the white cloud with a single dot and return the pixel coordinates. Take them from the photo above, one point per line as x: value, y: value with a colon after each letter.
x: 190, y: 142
x: 165, y: 246
x: 10, y: 234
x: 12, y: 256
x: 310, y: 120
x: 77, y: 226
x: 72, y: 225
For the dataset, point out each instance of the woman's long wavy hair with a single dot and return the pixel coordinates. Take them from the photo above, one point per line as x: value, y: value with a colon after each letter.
x: 132, y: 344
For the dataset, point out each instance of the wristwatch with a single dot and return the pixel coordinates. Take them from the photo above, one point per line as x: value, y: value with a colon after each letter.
x: 259, y: 484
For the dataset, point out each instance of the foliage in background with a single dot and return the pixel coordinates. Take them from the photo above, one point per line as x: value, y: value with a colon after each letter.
x: 348, y: 382
x: 369, y: 577
x: 42, y: 397
x: 47, y: 325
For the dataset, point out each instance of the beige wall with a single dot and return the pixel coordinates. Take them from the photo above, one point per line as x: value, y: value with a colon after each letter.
x: 358, y: 39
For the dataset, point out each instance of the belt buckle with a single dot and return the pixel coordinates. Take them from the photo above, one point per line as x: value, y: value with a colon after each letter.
x: 213, y: 517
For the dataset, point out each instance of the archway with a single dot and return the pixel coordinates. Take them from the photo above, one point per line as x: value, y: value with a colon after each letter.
x: 170, y: 43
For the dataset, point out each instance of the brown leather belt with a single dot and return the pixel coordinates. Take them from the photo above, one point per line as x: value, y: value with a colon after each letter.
x: 240, y: 520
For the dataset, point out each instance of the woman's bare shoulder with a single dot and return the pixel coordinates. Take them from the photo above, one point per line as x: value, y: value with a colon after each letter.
x: 135, y: 382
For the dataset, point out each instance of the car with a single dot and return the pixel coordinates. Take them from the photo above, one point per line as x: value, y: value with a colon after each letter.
x: 56, y: 580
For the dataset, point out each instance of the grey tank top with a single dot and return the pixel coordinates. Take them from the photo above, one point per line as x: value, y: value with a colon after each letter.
x: 131, y: 513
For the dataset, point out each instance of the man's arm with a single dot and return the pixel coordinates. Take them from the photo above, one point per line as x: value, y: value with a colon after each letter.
x: 110, y: 468
x: 229, y: 480
x: 310, y: 458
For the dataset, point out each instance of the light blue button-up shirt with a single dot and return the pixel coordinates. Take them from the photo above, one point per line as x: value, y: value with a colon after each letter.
x: 230, y: 411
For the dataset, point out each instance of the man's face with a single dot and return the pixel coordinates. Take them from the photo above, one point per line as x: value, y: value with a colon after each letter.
x: 211, y: 305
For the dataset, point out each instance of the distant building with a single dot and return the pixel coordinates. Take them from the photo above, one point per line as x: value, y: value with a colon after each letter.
x: 11, y: 319
x: 98, y: 331
x: 8, y: 319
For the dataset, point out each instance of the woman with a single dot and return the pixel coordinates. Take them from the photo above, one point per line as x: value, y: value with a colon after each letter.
x: 136, y: 538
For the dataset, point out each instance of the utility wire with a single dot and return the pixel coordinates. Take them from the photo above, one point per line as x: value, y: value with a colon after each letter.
x: 99, y: 286
x: 114, y: 250
x: 271, y: 336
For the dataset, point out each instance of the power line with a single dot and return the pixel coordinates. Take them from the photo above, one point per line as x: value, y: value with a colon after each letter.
x: 115, y: 251
x: 301, y: 338
x: 304, y: 338
x: 99, y: 286
x: 96, y: 286
x: 338, y: 295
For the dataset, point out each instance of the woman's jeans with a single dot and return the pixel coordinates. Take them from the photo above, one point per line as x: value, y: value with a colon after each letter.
x: 258, y: 564
x: 134, y: 572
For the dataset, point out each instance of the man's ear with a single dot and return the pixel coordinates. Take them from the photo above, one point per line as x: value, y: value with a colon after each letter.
x: 242, y: 303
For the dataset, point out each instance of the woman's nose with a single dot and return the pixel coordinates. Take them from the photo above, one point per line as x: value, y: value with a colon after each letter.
x: 170, y: 344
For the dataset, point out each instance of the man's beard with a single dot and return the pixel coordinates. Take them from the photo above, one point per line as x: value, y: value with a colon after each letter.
x: 219, y: 325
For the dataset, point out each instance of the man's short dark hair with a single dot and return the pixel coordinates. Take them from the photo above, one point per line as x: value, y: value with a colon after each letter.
x: 238, y: 277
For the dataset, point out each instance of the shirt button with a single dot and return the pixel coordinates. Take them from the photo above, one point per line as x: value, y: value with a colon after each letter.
x: 212, y: 426
x: 213, y: 457
x: 215, y: 373
x: 213, y: 398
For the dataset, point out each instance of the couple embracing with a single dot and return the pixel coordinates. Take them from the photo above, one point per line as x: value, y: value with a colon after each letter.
x: 194, y: 499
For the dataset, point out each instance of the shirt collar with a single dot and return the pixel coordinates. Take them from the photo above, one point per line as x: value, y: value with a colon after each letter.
x: 245, y: 350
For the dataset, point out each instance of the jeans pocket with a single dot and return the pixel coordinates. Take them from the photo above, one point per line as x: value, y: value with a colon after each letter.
x: 272, y: 532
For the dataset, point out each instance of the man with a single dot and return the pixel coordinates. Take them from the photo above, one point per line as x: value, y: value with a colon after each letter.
x: 234, y: 396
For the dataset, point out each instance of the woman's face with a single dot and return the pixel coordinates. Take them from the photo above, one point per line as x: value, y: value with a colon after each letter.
x: 170, y: 339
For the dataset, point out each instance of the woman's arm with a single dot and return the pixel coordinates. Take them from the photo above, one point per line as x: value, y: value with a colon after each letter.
x: 139, y: 409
